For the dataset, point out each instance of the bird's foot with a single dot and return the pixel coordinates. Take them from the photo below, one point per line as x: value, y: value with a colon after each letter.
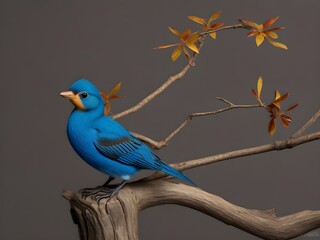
x: 101, y: 192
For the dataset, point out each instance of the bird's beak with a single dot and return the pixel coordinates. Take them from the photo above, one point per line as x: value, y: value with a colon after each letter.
x: 74, y: 98
x: 68, y: 94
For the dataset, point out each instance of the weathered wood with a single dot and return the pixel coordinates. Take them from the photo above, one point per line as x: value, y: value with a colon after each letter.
x: 117, y: 219
x: 114, y: 219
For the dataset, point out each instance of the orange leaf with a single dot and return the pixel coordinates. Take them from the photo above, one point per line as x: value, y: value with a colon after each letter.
x: 276, y: 105
x: 251, y: 24
x: 195, y: 36
x: 214, y: 16
x: 166, y: 46
x: 272, y: 127
x: 186, y: 34
x: 254, y: 92
x: 271, y: 34
x: 270, y: 22
x: 107, y: 108
x: 114, y: 91
x: 278, y: 44
x: 259, y: 86
x: 292, y: 107
x: 176, y: 53
x: 276, y: 28
x: 259, y: 39
x: 176, y: 32
x: 284, y: 122
x: 252, y: 33
x: 114, y: 97
x: 287, y: 118
x: 104, y: 96
x: 197, y: 20
x: 216, y: 25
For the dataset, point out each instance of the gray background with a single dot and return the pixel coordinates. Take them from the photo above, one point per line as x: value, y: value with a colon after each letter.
x: 47, y: 45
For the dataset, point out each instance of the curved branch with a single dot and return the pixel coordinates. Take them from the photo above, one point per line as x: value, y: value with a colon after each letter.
x: 264, y: 224
x: 117, y: 218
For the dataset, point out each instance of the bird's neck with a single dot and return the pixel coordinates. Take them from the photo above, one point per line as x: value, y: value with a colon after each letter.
x: 86, y: 116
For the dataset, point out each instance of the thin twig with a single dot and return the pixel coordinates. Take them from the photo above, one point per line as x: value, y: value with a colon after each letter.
x: 160, y: 144
x: 307, y: 125
x: 204, y: 33
x: 173, y: 78
x: 166, y: 84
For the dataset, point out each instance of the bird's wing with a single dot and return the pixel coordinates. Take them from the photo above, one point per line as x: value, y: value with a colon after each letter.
x: 128, y: 150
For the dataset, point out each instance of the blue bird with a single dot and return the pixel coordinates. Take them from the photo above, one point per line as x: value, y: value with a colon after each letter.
x: 104, y: 143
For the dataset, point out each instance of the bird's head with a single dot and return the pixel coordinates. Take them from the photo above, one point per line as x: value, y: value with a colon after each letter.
x: 84, y: 95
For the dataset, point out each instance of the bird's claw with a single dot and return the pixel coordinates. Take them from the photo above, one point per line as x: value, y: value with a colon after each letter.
x: 101, y: 192
x: 97, y: 193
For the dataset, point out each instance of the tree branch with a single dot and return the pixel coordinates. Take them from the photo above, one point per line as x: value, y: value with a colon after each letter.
x: 264, y: 224
x: 160, y: 144
x: 307, y: 125
x: 117, y: 218
x: 278, y: 145
x: 173, y: 78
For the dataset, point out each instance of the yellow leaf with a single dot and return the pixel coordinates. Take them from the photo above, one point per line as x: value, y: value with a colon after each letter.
x: 197, y: 20
x: 271, y: 34
x: 259, y: 39
x: 166, y: 46
x: 277, y: 95
x: 214, y: 16
x: 176, y: 53
x: 278, y: 44
x: 276, y: 103
x: 259, y: 86
x: 193, y: 47
x: 213, y: 35
x: 186, y: 53
x: 114, y: 91
x: 176, y: 32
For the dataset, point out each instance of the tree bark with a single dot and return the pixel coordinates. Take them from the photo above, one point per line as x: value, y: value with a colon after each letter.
x: 117, y: 218
x: 113, y: 219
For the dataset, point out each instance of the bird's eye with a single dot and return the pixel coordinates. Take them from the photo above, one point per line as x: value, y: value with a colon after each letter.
x: 84, y: 95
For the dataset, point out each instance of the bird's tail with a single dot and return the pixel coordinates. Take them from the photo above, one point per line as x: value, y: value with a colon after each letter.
x: 175, y: 173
